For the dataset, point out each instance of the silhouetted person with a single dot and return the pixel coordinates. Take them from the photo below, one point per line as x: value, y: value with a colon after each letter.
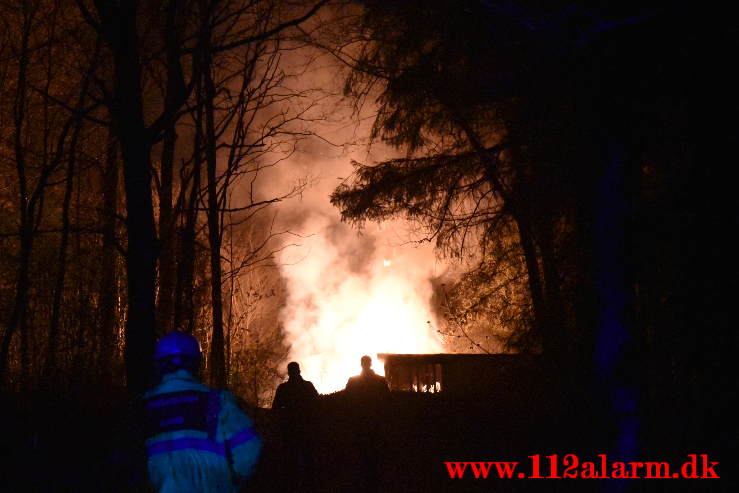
x: 368, y: 384
x: 295, y: 402
x: 296, y: 394
x: 368, y: 393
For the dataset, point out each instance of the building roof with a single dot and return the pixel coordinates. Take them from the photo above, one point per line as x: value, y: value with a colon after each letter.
x: 448, y: 357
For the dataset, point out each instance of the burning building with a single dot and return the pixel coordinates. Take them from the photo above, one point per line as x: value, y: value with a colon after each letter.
x: 464, y: 375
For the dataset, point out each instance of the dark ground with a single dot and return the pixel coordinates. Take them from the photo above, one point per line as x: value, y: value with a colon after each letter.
x: 53, y: 443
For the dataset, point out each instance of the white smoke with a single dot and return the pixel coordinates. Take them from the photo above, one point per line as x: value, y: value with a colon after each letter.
x: 349, y: 292
x: 352, y: 294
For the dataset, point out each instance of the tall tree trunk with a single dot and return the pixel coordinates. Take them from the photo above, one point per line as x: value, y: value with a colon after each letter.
x: 166, y: 234
x: 119, y: 27
x: 109, y: 263
x: 184, y: 311
x: 556, y: 326
x: 50, y: 365
x: 18, y: 315
x: 174, y: 93
x: 217, y: 356
x: 536, y: 291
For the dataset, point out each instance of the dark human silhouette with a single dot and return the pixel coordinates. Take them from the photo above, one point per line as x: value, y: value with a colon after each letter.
x: 296, y: 394
x: 367, y: 384
x: 368, y: 393
x: 295, y: 404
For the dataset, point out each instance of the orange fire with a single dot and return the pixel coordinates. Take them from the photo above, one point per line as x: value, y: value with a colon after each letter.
x: 346, y: 316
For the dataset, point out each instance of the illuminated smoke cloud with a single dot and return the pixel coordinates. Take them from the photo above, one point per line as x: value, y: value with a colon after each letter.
x: 350, y: 295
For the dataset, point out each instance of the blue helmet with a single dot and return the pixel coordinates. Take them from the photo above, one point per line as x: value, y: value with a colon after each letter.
x: 177, y: 343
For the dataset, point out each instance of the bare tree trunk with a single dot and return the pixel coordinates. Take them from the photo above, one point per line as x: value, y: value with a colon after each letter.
x: 184, y: 310
x: 526, y: 239
x: 18, y: 315
x: 109, y: 263
x: 174, y: 92
x: 50, y: 365
x: 141, y: 253
x: 217, y: 357
x: 230, y: 317
x: 166, y: 234
x: 552, y: 292
x: 119, y: 28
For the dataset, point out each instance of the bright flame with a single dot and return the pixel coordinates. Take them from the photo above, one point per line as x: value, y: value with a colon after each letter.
x: 387, y: 263
x: 338, y: 309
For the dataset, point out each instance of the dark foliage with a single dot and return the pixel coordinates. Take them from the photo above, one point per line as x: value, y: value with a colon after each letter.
x: 594, y: 110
